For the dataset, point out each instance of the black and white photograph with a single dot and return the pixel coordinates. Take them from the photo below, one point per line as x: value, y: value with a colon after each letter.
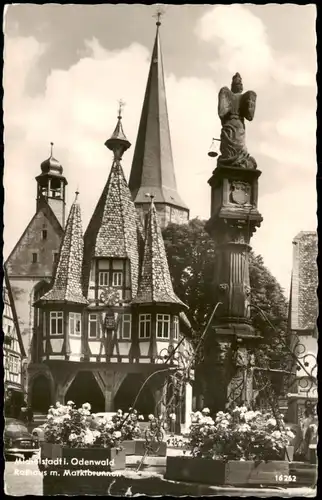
x: 160, y: 246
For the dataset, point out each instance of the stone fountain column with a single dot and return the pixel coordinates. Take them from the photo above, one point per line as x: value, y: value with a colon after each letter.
x: 234, y: 219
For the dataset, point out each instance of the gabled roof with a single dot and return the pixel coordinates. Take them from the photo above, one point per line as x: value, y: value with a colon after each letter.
x: 67, y: 284
x: 50, y: 215
x: 112, y: 231
x: 155, y: 284
x: 152, y: 167
x: 14, y: 312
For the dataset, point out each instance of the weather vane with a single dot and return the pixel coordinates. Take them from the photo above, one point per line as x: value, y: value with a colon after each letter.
x: 121, y: 106
x: 159, y: 13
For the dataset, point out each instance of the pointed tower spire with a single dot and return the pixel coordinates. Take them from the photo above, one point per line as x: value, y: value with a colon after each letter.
x: 112, y: 231
x: 152, y: 167
x: 118, y: 142
x: 155, y: 285
x: 67, y: 286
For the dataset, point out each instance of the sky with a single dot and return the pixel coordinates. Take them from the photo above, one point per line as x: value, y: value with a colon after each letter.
x: 67, y: 66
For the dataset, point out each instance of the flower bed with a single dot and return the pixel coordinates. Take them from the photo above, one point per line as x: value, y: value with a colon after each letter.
x: 239, y: 447
x: 75, y: 440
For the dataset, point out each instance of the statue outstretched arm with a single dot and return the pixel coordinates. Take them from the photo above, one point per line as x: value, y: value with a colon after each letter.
x: 248, y: 105
x: 224, y: 102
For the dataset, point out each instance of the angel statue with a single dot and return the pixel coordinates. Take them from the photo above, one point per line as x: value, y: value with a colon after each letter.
x: 233, y: 108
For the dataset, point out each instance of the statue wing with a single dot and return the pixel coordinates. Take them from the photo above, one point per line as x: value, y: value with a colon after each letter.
x: 224, y: 102
x: 248, y: 105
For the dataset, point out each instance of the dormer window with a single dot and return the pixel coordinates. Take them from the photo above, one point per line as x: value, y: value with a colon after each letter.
x: 75, y: 324
x: 56, y: 322
x: 103, y: 278
x: 117, y: 278
x: 44, y: 234
x: 163, y: 326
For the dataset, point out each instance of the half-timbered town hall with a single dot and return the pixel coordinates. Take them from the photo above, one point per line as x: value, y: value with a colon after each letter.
x: 98, y: 311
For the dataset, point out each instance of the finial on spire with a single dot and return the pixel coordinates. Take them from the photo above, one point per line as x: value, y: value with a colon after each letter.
x: 121, y: 106
x: 51, y: 148
x: 118, y: 142
x: 76, y: 193
x: 159, y: 13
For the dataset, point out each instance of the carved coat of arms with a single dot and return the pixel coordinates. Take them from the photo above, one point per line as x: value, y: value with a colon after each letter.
x: 240, y: 193
x: 109, y: 321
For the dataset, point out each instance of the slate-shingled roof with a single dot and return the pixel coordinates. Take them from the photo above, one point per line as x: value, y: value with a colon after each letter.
x: 113, y: 231
x: 155, y: 282
x: 152, y: 167
x: 67, y: 285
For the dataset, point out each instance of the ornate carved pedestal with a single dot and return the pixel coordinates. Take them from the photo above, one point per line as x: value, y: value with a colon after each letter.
x: 234, y: 218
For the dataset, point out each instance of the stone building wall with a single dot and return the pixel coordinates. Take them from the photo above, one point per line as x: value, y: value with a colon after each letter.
x: 24, y: 274
x: 166, y: 214
x: 303, y: 317
x: 304, y: 308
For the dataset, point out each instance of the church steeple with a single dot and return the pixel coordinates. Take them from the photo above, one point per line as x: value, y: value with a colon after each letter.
x: 152, y: 167
x: 51, y: 186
